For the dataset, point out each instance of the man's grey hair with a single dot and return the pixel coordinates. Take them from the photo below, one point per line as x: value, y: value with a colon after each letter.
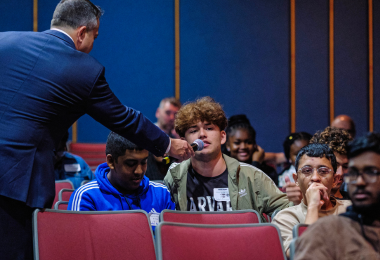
x: 76, y: 13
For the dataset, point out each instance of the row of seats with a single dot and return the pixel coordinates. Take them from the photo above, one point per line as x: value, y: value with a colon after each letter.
x: 127, y: 235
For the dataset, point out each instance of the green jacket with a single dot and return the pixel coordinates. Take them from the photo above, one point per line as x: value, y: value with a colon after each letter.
x: 248, y: 186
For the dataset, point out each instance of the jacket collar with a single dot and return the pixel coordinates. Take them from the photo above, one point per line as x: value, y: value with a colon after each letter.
x: 68, y: 41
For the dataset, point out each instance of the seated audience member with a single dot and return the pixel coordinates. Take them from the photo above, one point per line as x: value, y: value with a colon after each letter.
x: 292, y: 145
x: 211, y: 181
x: 346, y: 123
x: 315, y: 166
x: 165, y: 115
x: 69, y: 166
x: 241, y: 145
x: 337, y: 140
x: 356, y: 233
x: 121, y: 185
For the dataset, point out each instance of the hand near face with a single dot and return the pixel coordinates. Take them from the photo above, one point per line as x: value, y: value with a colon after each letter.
x: 180, y: 149
x: 258, y: 155
x: 316, y: 195
x: 293, y: 192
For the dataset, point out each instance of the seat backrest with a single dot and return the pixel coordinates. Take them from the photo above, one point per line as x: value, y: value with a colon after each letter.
x: 59, y: 185
x: 248, y: 216
x: 61, y: 205
x: 93, y: 154
x: 299, y: 229
x: 268, y: 218
x: 65, y: 194
x: 292, y: 248
x: 275, y: 213
x: 219, y: 242
x: 92, y: 235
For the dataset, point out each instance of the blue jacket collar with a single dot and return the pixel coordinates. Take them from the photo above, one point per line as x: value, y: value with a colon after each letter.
x: 62, y: 36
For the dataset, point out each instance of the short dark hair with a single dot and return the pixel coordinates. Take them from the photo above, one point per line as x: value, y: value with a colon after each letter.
x: 368, y: 142
x: 290, y: 139
x: 75, y: 13
x: 240, y: 122
x: 117, y: 145
x: 317, y: 150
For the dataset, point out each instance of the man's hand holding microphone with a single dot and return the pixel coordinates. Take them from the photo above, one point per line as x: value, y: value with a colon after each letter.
x: 182, y: 150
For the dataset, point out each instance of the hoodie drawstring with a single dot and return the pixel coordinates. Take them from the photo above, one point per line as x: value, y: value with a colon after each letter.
x: 137, y: 200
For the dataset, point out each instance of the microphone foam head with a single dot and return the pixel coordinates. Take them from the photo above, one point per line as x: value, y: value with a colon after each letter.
x: 200, y: 144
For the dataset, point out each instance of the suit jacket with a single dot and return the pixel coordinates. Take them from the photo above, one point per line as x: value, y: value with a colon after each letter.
x: 45, y: 86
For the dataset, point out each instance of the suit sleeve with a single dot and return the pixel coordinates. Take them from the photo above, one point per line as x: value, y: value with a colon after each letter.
x: 105, y: 107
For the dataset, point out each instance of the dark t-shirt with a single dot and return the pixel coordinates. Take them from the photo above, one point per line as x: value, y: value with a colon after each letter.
x: 207, y: 193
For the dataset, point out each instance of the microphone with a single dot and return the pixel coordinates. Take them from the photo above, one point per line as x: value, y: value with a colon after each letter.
x: 197, y: 145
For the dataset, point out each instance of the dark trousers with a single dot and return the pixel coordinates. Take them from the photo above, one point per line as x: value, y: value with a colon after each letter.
x: 16, y: 238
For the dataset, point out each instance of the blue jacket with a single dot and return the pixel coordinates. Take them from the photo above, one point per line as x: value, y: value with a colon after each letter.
x: 100, y: 195
x: 45, y: 86
x: 72, y: 167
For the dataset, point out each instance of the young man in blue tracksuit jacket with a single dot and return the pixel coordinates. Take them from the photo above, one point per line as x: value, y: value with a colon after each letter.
x: 120, y: 183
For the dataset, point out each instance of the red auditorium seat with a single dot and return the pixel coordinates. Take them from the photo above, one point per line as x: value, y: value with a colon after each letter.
x: 61, y: 205
x: 218, y: 242
x: 59, y: 185
x: 65, y: 194
x: 86, y: 235
x: 93, y: 154
x: 210, y: 217
x: 268, y: 218
x: 299, y: 229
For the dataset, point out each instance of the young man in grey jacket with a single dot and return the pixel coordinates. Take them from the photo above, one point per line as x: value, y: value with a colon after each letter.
x: 212, y: 181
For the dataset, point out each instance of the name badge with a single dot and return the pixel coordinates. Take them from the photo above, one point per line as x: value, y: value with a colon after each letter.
x: 221, y: 194
x: 154, y: 219
x: 75, y: 167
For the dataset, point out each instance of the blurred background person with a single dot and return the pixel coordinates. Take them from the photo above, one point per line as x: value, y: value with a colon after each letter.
x: 292, y: 145
x: 165, y: 115
x: 337, y: 140
x: 68, y: 166
x: 346, y: 123
x: 241, y: 145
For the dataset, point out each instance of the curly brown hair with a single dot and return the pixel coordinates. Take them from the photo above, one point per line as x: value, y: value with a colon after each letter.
x: 337, y: 139
x: 203, y: 109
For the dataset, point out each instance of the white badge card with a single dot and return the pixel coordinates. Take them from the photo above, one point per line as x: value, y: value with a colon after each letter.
x: 154, y: 219
x: 75, y: 167
x: 221, y: 194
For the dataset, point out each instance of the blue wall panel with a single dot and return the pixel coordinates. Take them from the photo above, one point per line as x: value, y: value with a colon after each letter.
x: 238, y: 53
x: 136, y: 46
x: 312, y: 70
x: 235, y: 51
x: 351, y: 61
x: 16, y: 15
x: 376, y: 64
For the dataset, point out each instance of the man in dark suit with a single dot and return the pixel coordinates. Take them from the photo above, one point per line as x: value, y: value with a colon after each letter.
x: 48, y: 81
